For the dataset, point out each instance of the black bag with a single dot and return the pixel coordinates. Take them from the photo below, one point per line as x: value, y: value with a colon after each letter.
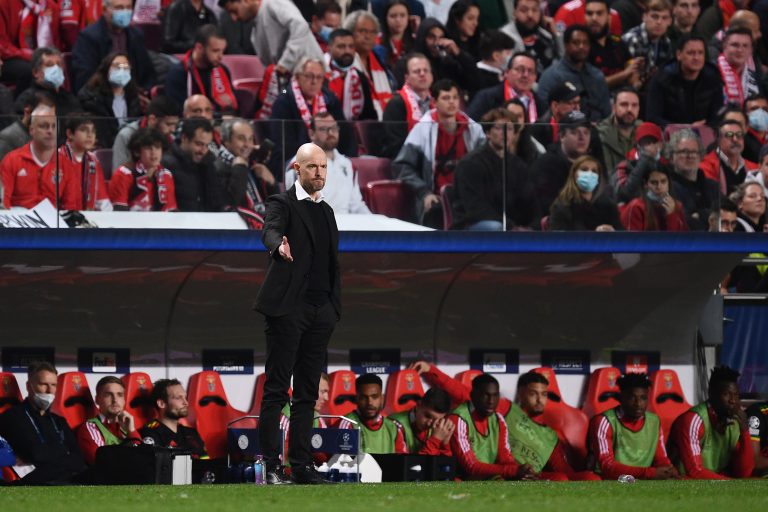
x: 140, y: 464
x: 415, y: 468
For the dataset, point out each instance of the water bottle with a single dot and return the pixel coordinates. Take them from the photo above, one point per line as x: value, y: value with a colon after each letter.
x: 626, y: 479
x: 259, y: 471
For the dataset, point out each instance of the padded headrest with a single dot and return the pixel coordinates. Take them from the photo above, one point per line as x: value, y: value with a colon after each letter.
x: 216, y: 400
x: 142, y: 401
x: 669, y: 396
x: 554, y: 397
x: 72, y: 401
x: 9, y: 400
x: 413, y: 397
x: 607, y: 395
x: 344, y: 398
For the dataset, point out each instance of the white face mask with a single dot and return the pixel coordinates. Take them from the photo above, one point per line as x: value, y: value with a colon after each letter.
x: 43, y: 400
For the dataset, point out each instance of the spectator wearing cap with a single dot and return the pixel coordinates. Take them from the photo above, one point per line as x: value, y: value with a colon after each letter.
x: 575, y: 68
x: 697, y: 193
x: 585, y: 203
x: 724, y: 164
x: 648, y: 41
x: 654, y: 208
x: 492, y: 179
x: 607, y: 52
x: 519, y: 81
x: 550, y: 171
x: 617, y: 132
x: 530, y: 34
x: 688, y: 91
x: 645, y: 154
x: 180, y: 24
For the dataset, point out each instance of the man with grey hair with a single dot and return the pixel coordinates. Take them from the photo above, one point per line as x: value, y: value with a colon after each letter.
x: 48, y: 75
x: 280, y: 36
x: 293, y: 110
x: 365, y: 27
x: 113, y: 33
x: 690, y: 185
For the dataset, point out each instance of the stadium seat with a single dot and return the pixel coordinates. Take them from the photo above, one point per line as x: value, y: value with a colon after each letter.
x: 390, y: 198
x: 467, y: 376
x: 153, y: 35
x: 138, y: 397
x: 404, y: 389
x: 553, y: 390
x: 247, y: 71
x: 707, y: 134
x: 157, y: 90
x: 446, y: 197
x: 73, y: 399
x: 258, y: 393
x: 105, y: 158
x: 210, y: 411
x: 544, y: 223
x: 66, y: 64
x: 371, y: 168
x: 368, y: 135
x: 246, y: 102
x: 602, y: 391
x: 341, y: 393
x: 10, y: 394
x: 667, y: 399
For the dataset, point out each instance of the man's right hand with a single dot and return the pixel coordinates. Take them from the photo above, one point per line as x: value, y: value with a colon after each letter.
x: 420, y: 367
x: 285, y: 250
x: 430, y: 200
x: 665, y: 473
x: 443, y: 429
x: 526, y: 472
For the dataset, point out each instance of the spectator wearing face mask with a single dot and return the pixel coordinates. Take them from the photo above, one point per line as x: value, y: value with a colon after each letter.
x: 46, y: 449
x: 582, y: 204
x: 628, y: 178
x: 48, y: 76
x: 654, y: 209
x: 756, y: 109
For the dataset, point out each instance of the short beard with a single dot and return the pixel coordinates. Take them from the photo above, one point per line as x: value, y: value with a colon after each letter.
x: 177, y: 415
x: 603, y: 33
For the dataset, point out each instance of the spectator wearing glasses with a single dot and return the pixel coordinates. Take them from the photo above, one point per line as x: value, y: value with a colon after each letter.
x: 574, y: 67
x: 698, y: 194
x: 485, y: 187
x: 341, y: 190
x: 293, y: 110
x: 519, y: 81
x: 724, y: 164
x: 756, y: 109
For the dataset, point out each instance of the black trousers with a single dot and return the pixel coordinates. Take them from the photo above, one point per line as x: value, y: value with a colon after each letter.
x: 296, y: 345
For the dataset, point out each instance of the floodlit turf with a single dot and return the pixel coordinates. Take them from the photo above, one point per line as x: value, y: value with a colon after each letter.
x: 734, y: 496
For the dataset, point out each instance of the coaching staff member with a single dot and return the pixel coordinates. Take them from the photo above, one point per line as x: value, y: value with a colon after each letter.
x: 301, y: 300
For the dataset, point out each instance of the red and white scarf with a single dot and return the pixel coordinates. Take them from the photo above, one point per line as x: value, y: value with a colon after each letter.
x: 268, y: 93
x: 318, y: 103
x: 378, y: 81
x: 220, y: 86
x: 737, y: 88
x: 412, y: 109
x: 510, y: 93
x: 348, y: 87
x: 36, y: 30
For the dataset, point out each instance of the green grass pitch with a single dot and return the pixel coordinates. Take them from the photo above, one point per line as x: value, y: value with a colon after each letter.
x: 699, y: 496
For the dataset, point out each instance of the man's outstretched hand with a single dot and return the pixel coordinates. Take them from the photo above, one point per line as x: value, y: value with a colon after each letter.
x: 285, y: 250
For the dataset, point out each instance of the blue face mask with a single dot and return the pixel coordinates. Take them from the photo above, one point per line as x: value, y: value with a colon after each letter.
x: 758, y: 119
x: 652, y: 197
x: 587, y: 180
x: 325, y: 33
x: 119, y: 77
x: 122, y: 17
x: 54, y: 75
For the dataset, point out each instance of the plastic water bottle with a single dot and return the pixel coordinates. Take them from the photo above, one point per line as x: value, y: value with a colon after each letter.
x: 259, y: 471
x: 626, y: 479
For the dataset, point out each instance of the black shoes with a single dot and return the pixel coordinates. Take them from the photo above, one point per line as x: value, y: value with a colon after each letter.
x: 308, y: 475
x: 279, y: 477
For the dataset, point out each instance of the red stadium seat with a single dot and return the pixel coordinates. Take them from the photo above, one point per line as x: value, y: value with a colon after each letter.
x: 667, y: 399
x: 446, y: 197
x: 390, y: 198
x: 371, y: 168
x: 258, y: 393
x: 368, y: 135
x: 105, y: 159
x: 138, y: 397
x: 466, y: 377
x: 246, y: 102
x: 247, y: 71
x: 544, y: 223
x: 10, y: 394
x: 73, y: 399
x: 553, y: 390
x: 210, y: 411
x: 153, y: 35
x: 404, y: 389
x: 602, y: 391
x: 341, y: 393
x: 66, y: 65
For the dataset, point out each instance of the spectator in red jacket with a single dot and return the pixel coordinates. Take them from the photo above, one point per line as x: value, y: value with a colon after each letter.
x: 112, y: 425
x: 29, y: 173
x: 711, y: 441
x: 76, y: 157
x: 655, y: 209
x: 26, y: 25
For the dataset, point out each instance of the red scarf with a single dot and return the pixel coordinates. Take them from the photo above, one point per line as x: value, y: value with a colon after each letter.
x: 728, y: 9
x: 220, y: 86
x: 268, y: 93
x: 378, y: 82
x: 348, y: 87
x: 36, y: 29
x: 732, y: 86
x: 510, y: 93
x: 411, y: 100
x: 449, y: 147
x: 318, y: 103
x: 89, y: 179
x: 555, y: 128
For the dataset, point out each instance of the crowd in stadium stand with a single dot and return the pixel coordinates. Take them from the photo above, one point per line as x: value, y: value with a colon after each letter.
x: 490, y: 436
x: 667, y: 99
